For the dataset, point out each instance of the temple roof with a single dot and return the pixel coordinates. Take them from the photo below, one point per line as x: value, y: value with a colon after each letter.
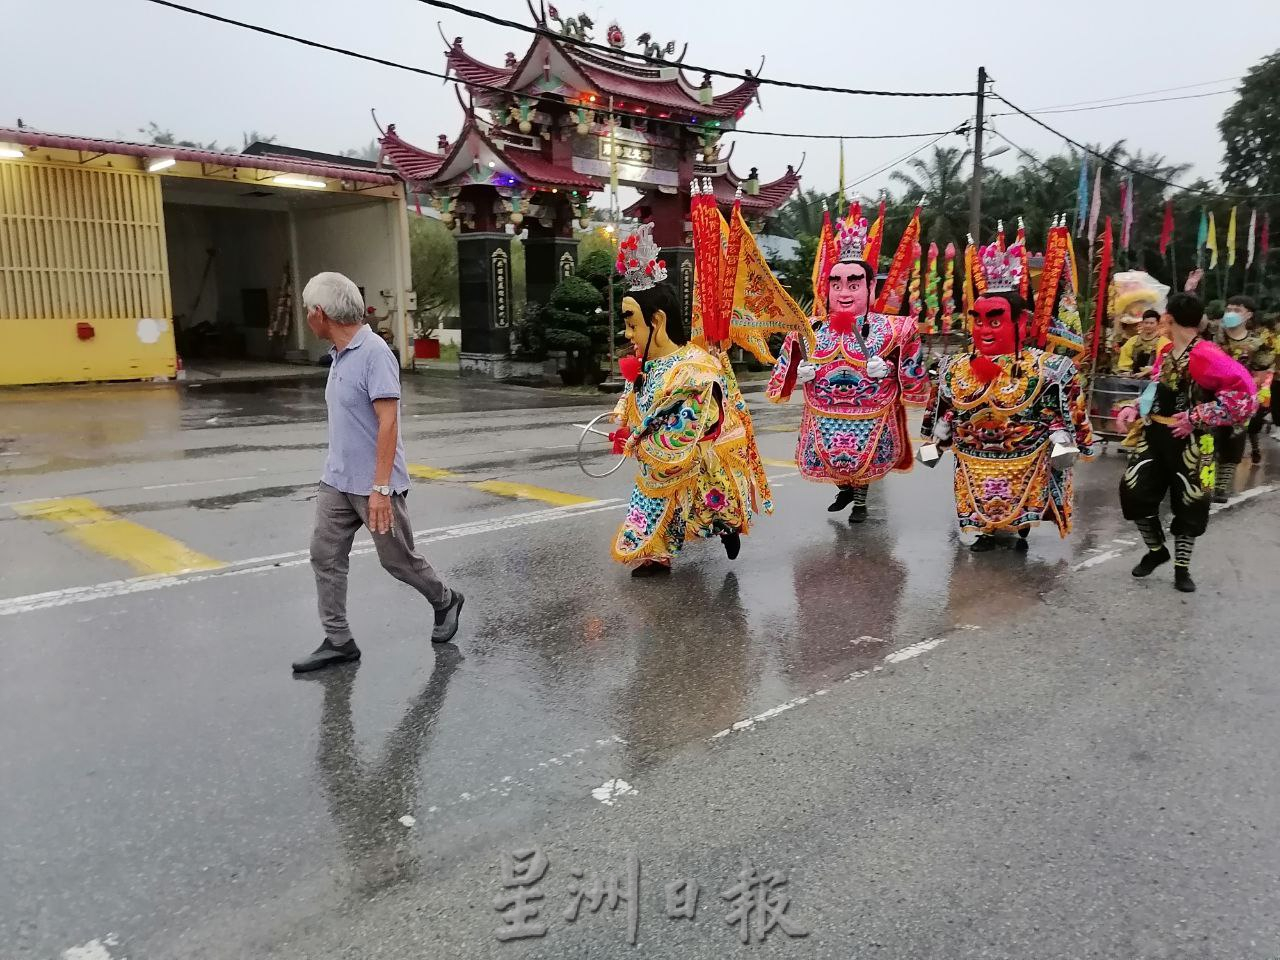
x: 770, y: 196
x: 658, y: 88
x: 478, y: 157
x: 724, y: 185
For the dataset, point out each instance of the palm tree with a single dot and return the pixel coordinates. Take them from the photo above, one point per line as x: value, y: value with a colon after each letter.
x: 941, y: 180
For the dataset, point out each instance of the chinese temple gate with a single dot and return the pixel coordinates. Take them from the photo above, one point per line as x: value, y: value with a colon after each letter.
x: 546, y: 131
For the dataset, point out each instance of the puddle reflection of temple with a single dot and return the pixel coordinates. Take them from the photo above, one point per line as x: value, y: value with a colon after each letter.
x: 537, y: 143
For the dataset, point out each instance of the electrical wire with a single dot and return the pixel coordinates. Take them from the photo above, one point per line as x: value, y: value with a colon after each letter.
x: 1128, y: 169
x: 422, y: 71
x: 1108, y: 106
x: 1142, y: 93
x: 728, y: 74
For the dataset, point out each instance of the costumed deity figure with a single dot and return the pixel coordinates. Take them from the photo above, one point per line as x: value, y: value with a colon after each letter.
x: 1014, y: 415
x: 1138, y: 353
x: 1250, y: 346
x: 1132, y: 294
x: 685, y: 422
x: 1195, y: 388
x: 864, y: 366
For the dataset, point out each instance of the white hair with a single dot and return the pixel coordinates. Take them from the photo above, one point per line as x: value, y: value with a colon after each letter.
x: 336, y: 295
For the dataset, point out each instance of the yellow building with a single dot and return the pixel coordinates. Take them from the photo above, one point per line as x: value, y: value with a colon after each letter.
x: 116, y: 258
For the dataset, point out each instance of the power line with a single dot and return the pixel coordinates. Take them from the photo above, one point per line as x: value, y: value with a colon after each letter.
x: 1141, y: 93
x: 1128, y: 169
x: 422, y: 71
x: 1108, y: 106
x: 728, y: 74
x: 961, y: 128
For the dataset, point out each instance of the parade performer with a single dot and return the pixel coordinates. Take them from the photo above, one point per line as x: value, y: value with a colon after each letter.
x: 1195, y: 388
x: 1013, y: 414
x: 1138, y: 355
x: 684, y: 420
x: 864, y: 366
x: 1252, y: 348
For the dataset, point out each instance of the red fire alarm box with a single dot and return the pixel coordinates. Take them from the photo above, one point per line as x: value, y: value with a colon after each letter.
x: 84, y: 330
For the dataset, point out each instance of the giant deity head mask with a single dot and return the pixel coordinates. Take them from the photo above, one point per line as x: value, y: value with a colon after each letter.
x: 999, y: 324
x: 851, y: 281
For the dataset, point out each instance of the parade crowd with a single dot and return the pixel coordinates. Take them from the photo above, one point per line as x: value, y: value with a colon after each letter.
x: 1011, y: 407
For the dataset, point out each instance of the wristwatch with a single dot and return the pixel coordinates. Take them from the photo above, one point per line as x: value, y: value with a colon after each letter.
x: 384, y: 490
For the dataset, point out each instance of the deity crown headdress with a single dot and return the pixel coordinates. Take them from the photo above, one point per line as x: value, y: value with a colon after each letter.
x: 638, y: 259
x: 1002, y: 269
x: 851, y: 240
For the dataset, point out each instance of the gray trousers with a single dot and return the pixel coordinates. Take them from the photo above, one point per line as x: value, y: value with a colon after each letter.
x: 338, y: 516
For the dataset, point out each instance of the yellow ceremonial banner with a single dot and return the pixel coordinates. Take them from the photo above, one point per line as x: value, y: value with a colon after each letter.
x: 1231, y: 239
x: 761, y: 306
x: 1211, y: 242
x: 820, y: 265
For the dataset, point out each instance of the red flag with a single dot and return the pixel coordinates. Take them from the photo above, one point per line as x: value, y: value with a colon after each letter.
x: 1166, y: 231
x: 1124, y: 214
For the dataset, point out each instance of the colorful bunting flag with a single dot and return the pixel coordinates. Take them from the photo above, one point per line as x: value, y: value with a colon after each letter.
x: 1166, y: 229
x: 1211, y: 242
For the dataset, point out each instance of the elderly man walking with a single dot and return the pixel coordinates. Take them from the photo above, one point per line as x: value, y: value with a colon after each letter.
x: 365, y: 481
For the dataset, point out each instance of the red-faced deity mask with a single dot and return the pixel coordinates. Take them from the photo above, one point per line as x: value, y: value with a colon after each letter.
x: 994, y: 327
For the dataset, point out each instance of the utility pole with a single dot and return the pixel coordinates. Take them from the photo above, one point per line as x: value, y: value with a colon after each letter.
x: 975, y: 188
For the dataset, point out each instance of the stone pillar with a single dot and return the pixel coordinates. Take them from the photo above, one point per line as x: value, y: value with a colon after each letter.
x: 547, y: 260
x: 680, y: 275
x: 485, y: 301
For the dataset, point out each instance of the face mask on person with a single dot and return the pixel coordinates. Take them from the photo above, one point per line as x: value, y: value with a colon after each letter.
x: 1231, y: 320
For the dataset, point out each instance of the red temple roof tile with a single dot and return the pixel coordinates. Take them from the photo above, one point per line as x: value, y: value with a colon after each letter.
x: 663, y: 88
x: 422, y: 166
x: 470, y: 70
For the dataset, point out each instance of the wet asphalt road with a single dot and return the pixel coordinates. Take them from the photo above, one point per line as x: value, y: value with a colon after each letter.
x: 949, y: 755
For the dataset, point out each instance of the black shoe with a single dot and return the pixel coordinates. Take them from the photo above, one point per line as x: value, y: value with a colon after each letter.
x: 983, y: 544
x: 650, y: 568
x: 842, y: 500
x: 1152, y: 559
x: 732, y: 544
x: 1182, y: 580
x: 327, y: 655
x: 858, y: 514
x: 1219, y: 496
x: 1256, y: 456
x: 446, y: 625
x: 1021, y: 545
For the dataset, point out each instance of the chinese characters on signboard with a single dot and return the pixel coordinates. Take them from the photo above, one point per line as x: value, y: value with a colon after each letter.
x: 567, y: 265
x: 686, y: 287
x: 756, y: 903
x: 500, y: 263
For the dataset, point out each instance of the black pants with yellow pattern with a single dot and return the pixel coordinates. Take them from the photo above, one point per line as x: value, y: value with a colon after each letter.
x: 1161, y: 465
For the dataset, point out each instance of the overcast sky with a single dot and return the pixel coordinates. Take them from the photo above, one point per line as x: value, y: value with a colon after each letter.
x: 105, y: 69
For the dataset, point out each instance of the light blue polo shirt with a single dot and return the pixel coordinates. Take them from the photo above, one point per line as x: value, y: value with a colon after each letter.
x: 364, y: 371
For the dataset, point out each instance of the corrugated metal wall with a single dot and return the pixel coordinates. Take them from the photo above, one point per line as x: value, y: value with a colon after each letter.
x: 80, y: 243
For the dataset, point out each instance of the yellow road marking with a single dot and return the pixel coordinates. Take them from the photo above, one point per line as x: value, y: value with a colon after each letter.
x: 774, y: 462
x: 525, y: 491
x: 502, y: 488
x: 779, y: 428
x: 422, y: 472
x: 144, y: 549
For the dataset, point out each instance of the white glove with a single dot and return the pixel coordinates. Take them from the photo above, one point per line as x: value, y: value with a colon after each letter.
x: 942, y: 430
x: 1061, y: 438
x: 878, y: 368
x: 806, y: 371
